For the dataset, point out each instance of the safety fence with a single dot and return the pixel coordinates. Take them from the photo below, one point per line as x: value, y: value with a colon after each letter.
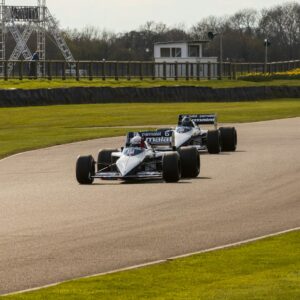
x: 141, y: 70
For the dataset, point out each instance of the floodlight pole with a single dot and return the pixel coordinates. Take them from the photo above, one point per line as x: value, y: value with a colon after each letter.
x: 211, y: 36
x: 266, y: 55
x: 221, y: 55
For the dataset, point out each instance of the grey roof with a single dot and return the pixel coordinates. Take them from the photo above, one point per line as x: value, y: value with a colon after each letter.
x: 184, y: 42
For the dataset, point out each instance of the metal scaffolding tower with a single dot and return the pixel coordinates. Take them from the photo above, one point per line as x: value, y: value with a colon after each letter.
x: 41, y: 30
x: 2, y: 36
x: 36, y: 19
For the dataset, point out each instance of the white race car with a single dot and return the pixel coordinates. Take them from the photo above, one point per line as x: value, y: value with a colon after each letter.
x: 189, y: 133
x: 139, y: 159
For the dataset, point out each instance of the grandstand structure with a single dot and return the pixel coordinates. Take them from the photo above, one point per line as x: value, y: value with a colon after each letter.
x: 22, y: 22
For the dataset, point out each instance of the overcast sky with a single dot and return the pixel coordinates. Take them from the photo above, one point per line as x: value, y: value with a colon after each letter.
x: 124, y: 15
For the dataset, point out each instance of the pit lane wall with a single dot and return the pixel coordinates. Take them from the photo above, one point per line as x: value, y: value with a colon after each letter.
x: 89, y: 95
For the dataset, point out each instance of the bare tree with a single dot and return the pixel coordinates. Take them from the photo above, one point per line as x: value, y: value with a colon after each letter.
x: 212, y: 23
x: 281, y: 24
x: 244, y: 21
x: 243, y: 35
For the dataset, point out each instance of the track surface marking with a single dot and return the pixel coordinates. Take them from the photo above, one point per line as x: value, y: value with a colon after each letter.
x: 52, y: 229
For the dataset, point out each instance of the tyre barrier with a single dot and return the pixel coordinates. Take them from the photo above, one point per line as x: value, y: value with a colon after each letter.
x: 91, y: 95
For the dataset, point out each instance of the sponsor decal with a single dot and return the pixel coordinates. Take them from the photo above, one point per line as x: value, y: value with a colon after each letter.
x: 200, y: 119
x: 24, y: 13
x: 153, y: 137
x: 158, y: 140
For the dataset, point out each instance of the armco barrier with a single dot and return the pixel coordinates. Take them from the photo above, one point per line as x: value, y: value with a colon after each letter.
x: 89, y: 95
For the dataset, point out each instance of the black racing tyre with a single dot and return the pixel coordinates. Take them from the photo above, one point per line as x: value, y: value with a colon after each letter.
x: 213, y: 142
x: 105, y: 160
x: 85, y: 169
x: 228, y: 138
x: 171, y: 168
x: 190, y: 162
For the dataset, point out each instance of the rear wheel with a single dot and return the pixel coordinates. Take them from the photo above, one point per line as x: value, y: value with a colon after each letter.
x: 213, y: 142
x: 105, y: 160
x: 171, y: 168
x: 190, y: 162
x: 228, y: 138
x: 85, y: 169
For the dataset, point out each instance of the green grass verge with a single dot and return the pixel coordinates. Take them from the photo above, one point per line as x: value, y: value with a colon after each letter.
x: 36, y: 84
x: 268, y: 269
x: 27, y: 128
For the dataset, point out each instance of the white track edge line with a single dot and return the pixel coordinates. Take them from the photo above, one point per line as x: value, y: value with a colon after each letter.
x: 236, y: 244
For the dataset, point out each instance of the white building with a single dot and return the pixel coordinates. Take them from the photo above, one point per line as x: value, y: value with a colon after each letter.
x: 187, y: 56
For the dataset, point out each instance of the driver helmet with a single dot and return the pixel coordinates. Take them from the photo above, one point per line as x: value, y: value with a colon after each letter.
x: 137, y: 141
x: 187, y: 122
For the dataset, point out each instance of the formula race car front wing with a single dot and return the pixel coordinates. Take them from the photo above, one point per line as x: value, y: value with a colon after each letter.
x: 117, y: 175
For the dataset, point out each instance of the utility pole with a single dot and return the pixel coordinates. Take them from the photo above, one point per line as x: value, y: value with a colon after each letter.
x: 221, y: 55
x: 267, y: 44
x: 211, y: 36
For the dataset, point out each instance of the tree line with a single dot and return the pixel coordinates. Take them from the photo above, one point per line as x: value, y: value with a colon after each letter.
x: 243, y: 37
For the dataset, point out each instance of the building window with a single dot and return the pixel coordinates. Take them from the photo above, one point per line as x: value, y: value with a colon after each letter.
x: 176, y: 52
x: 165, y: 52
x: 194, y: 51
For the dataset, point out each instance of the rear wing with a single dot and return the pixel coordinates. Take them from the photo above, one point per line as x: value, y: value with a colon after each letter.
x: 201, y: 119
x: 154, y: 138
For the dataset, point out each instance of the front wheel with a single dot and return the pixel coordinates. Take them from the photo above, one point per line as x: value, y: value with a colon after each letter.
x: 171, y: 168
x: 85, y: 169
x: 190, y: 162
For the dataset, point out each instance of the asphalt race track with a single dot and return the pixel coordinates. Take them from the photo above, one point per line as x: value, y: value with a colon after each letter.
x: 52, y: 229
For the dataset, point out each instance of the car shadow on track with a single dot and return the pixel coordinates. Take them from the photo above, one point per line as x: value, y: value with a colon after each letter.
x: 182, y: 181
x: 222, y: 153
x: 138, y: 182
x: 202, y: 178
x: 185, y: 181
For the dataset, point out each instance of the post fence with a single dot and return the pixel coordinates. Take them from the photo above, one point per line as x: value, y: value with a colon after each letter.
x: 21, y: 67
x: 187, y: 71
x: 49, y: 70
x: 142, y: 70
x: 91, y: 71
x: 209, y: 67
x: 165, y: 71
x: 198, y: 71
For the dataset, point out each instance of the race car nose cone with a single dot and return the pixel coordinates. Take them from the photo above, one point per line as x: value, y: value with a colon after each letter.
x: 126, y: 164
x: 181, y: 138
